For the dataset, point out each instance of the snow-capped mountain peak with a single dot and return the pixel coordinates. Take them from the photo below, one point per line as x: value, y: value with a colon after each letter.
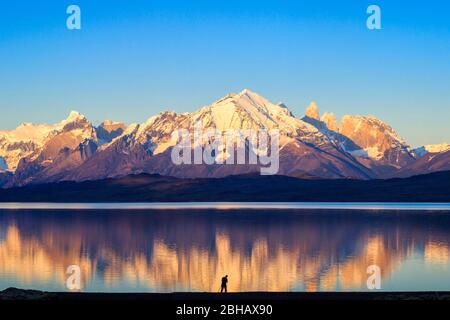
x: 74, y: 116
x: 432, y: 148
x: 22, y: 142
x: 371, y: 126
x: 253, y: 97
x: 364, y: 137
x: 28, y: 140
x: 377, y: 139
x: 27, y: 132
x: 249, y: 110
x: 111, y: 123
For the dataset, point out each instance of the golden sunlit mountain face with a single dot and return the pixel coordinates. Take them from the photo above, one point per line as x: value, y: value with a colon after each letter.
x: 164, y: 252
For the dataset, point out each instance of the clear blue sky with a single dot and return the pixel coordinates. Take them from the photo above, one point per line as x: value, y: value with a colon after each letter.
x: 133, y: 59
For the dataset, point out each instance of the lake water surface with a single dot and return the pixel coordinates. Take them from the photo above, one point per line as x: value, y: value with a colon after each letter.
x: 162, y: 250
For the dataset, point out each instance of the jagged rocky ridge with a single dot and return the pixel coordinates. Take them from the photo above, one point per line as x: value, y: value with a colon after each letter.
x: 359, y: 147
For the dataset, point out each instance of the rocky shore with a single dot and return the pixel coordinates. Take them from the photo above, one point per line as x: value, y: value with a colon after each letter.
x: 14, y: 294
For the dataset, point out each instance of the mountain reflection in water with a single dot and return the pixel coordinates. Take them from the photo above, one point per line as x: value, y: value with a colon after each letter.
x: 190, y: 251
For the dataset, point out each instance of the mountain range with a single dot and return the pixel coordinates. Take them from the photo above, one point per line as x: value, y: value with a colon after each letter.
x: 312, y: 147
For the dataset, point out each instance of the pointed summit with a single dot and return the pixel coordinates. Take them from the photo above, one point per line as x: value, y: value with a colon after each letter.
x: 312, y: 111
x: 330, y: 121
x: 245, y: 99
x: 74, y: 116
x: 248, y: 110
x: 253, y: 97
x: 247, y: 91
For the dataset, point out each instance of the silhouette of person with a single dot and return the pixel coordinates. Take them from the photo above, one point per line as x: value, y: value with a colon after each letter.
x: 223, y: 287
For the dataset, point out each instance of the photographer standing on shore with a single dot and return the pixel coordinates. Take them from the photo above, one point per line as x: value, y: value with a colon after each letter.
x: 223, y: 287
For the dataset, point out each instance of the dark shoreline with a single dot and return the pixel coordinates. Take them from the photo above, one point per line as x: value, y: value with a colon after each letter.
x: 434, y: 187
x: 14, y: 294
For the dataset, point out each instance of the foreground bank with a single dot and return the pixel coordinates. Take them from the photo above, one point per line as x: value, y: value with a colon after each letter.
x: 433, y: 187
x: 20, y: 294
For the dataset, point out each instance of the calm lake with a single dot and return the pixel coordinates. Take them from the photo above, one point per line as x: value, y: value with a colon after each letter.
x: 153, y: 250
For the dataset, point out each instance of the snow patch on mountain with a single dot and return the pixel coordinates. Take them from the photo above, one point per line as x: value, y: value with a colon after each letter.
x: 369, y: 153
x: 432, y: 148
